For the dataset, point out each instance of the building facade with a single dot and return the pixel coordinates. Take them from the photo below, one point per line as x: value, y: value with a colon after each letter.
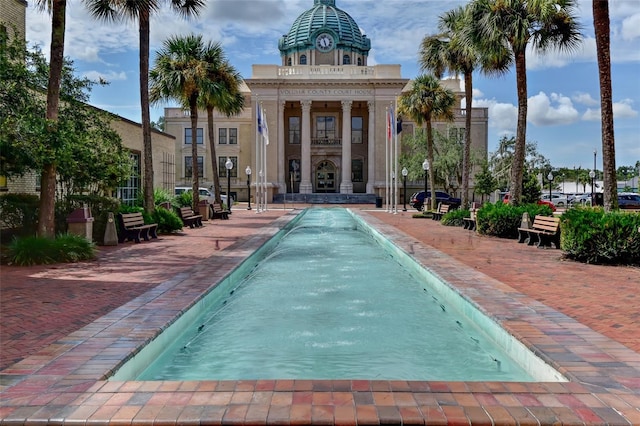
x: 326, y: 113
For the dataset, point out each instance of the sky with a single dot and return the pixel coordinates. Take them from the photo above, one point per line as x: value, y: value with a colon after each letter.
x: 563, y: 88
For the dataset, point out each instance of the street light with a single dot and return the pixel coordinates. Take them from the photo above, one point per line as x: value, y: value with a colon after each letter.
x: 592, y: 175
x: 229, y: 165
x: 248, y: 172
x: 425, y: 167
x: 405, y: 172
x: 550, y: 177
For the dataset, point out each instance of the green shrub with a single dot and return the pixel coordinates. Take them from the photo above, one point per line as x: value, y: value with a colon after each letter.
x: 454, y: 217
x: 503, y: 220
x: 19, y: 212
x: 41, y: 251
x: 167, y: 220
x: 184, y: 199
x: 592, y: 236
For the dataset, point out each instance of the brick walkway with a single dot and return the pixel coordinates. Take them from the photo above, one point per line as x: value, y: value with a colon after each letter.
x: 41, y: 306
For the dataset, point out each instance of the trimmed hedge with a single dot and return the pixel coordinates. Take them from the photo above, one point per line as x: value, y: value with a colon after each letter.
x: 503, y: 220
x: 454, y: 217
x: 592, y: 236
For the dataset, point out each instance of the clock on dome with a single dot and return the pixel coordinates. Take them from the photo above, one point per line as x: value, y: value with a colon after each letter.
x: 324, y: 42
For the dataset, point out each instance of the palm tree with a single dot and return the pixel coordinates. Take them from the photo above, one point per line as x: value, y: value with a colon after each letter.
x: 180, y: 72
x: 424, y: 101
x: 141, y: 10
x: 222, y: 93
x: 515, y: 24
x: 601, y: 26
x: 452, y: 50
x: 46, y: 215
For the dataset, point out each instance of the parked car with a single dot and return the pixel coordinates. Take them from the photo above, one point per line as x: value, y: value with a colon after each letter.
x: 558, y: 199
x: 204, y: 194
x: 417, y: 199
x: 628, y: 200
x: 540, y: 202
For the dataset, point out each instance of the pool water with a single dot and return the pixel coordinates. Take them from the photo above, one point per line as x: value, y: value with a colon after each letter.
x: 328, y: 301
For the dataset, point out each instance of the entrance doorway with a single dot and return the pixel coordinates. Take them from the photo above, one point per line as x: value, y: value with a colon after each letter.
x: 325, y: 177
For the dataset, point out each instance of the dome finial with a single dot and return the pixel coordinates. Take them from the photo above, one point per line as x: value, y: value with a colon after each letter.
x: 324, y: 2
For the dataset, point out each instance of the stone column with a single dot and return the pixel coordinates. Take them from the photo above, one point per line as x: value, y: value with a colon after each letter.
x: 305, y: 150
x: 282, y: 161
x: 346, y: 185
x: 371, y: 148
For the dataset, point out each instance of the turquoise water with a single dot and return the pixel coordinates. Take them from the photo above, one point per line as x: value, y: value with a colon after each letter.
x: 329, y: 302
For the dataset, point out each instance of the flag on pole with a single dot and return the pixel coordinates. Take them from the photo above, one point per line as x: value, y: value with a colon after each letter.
x: 390, y: 124
x: 259, y: 116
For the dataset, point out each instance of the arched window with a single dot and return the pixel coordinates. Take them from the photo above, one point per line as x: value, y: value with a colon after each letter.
x: 303, y: 59
x: 359, y: 61
x: 346, y: 60
x: 289, y: 62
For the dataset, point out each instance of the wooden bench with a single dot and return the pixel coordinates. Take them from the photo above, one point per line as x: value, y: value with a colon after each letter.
x: 442, y: 210
x: 219, y: 212
x: 132, y: 227
x: 544, y: 231
x: 189, y: 218
x: 470, y: 222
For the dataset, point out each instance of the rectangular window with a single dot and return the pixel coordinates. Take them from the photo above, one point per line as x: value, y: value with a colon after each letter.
x: 128, y: 193
x: 456, y: 134
x: 222, y: 136
x: 188, y: 166
x: 326, y: 127
x: 357, y: 171
x: 199, y: 136
x: 356, y: 130
x: 227, y: 136
x: 294, y: 130
x: 222, y: 169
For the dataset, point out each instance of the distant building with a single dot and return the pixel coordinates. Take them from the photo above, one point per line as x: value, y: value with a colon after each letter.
x: 326, y: 113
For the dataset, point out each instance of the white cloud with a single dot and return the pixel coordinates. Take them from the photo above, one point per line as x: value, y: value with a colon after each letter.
x: 108, y: 76
x: 631, y: 27
x: 584, y: 99
x: 502, y: 116
x: 621, y: 110
x: 551, y: 110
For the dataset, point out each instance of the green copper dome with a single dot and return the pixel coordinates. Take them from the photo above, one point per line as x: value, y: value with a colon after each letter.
x: 324, y: 17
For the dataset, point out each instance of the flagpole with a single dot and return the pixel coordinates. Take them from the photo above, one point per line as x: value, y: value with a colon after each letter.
x: 386, y: 160
x: 395, y: 172
x: 264, y: 157
x: 258, y: 162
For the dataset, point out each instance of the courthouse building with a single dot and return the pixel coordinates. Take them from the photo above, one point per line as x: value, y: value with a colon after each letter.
x: 326, y: 113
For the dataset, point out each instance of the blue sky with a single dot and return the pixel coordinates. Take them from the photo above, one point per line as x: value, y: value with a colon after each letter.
x: 563, y: 89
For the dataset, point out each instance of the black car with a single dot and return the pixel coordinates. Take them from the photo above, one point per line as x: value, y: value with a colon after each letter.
x: 627, y: 200
x: 417, y: 199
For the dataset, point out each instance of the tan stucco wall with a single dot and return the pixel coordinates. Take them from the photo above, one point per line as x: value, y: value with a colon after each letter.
x: 13, y: 13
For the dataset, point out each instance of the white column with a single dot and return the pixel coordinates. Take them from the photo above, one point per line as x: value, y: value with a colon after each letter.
x: 305, y: 152
x: 371, y: 149
x: 346, y: 185
x: 282, y: 169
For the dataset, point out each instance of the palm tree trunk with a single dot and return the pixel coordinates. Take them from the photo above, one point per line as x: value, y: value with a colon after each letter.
x: 601, y: 26
x: 466, y: 154
x: 214, y: 156
x: 46, y: 215
x: 195, y: 170
x: 521, y: 131
x: 149, y: 204
x: 430, y: 158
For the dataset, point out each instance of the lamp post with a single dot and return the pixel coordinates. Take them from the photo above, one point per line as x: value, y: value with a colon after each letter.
x: 563, y: 183
x: 425, y: 167
x: 229, y: 165
x: 248, y: 172
x: 405, y: 172
x: 550, y: 178
x: 592, y: 175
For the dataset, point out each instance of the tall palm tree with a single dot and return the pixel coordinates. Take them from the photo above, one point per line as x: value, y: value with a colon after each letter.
x: 515, y: 24
x: 222, y: 93
x: 425, y: 101
x: 141, y: 10
x: 452, y: 50
x: 601, y: 26
x: 46, y: 215
x: 180, y: 73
